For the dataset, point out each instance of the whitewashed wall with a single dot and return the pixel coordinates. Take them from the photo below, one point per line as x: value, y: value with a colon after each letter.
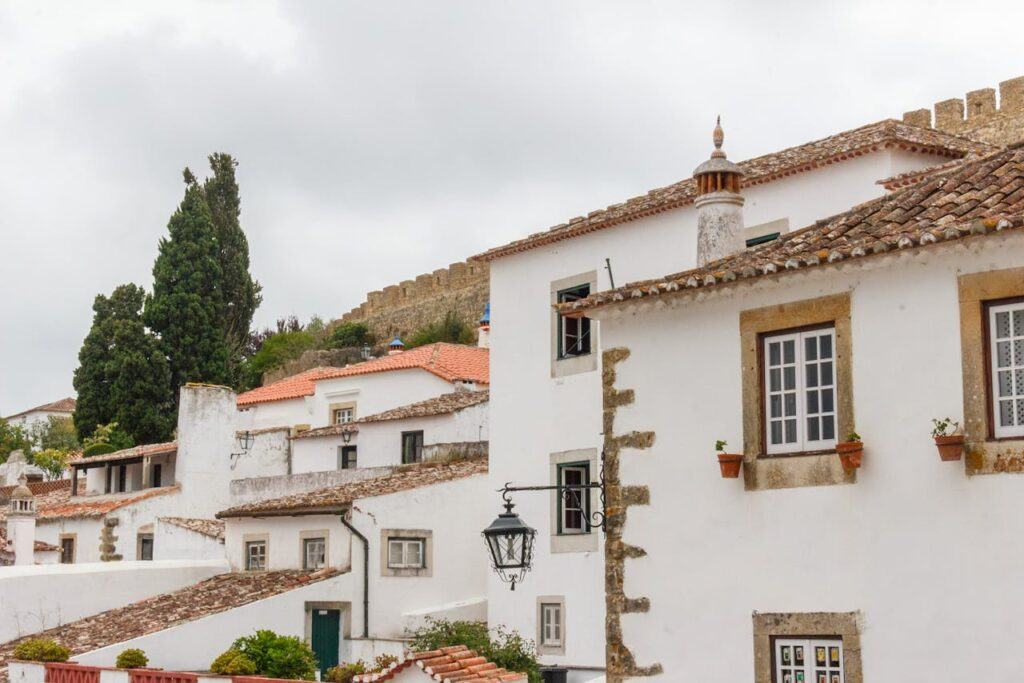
x: 930, y: 556
x: 376, y: 392
x: 319, y: 453
x: 35, y: 598
x: 265, y: 488
x: 174, y: 542
x: 284, y: 546
x: 287, y: 413
x: 381, y: 442
x: 534, y: 415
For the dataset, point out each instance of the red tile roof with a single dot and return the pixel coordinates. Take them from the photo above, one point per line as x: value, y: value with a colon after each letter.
x: 339, y: 498
x: 448, y: 665
x: 295, y: 386
x: 971, y: 200
x: 127, y: 453
x: 329, y: 430
x: 450, y: 362
x: 889, y: 133
x: 64, y: 405
x: 439, y: 405
x: 213, y: 528
x: 58, y: 503
x: 37, y: 488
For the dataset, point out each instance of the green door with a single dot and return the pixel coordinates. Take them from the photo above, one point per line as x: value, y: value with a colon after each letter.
x: 326, y: 631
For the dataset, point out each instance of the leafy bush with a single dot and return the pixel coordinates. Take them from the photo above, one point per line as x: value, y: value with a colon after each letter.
x: 231, y: 662
x: 384, y: 661
x: 278, y: 656
x: 349, y: 334
x: 110, y: 434
x: 345, y: 672
x: 275, y: 351
x: 132, y: 658
x: 504, y: 647
x: 52, y: 462
x: 41, y: 650
x: 98, y: 449
x: 452, y: 329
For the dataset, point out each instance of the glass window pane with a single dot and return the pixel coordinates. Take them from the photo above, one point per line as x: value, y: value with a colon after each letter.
x: 812, y: 375
x: 812, y: 402
x: 1005, y: 383
x: 1002, y: 324
x: 775, y: 403
x: 774, y: 379
x: 395, y: 552
x: 810, y: 349
x: 827, y: 403
x: 1003, y: 354
x: 1018, y: 323
x: 826, y: 345
x: 414, y: 550
x: 790, y: 404
x: 789, y: 377
x: 812, y: 429
x: 1006, y: 413
x: 1020, y: 411
x: 1018, y: 382
x: 789, y: 351
x: 826, y: 374
x: 776, y: 432
x: 828, y: 428
x: 1018, y: 352
x: 790, y: 431
x: 773, y: 353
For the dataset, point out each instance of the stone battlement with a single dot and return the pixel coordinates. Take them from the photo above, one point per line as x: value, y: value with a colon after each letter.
x: 424, y: 288
x: 977, y: 116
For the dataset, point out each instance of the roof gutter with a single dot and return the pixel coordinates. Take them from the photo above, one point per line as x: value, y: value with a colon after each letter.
x: 366, y: 574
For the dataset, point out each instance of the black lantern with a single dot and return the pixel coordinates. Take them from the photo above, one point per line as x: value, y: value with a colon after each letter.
x: 245, y: 440
x: 510, y: 542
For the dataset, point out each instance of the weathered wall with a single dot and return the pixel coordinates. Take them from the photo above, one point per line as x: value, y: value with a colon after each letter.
x: 977, y: 116
x: 264, y: 488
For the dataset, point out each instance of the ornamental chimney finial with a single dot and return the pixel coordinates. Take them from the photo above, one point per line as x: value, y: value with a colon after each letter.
x: 718, y: 137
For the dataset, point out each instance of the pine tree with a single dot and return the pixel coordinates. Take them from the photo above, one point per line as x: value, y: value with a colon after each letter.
x: 241, y: 293
x: 186, y: 309
x: 112, y: 384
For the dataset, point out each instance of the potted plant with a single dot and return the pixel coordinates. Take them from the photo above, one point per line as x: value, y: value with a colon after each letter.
x: 850, y: 451
x: 949, y: 439
x: 729, y: 463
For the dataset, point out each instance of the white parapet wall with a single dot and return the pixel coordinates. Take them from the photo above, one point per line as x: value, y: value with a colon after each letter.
x: 39, y: 597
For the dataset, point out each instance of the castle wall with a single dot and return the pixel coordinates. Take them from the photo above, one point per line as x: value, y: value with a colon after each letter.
x: 977, y: 116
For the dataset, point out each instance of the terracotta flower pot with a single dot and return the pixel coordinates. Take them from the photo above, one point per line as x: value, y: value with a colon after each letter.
x: 951, y: 448
x: 850, y: 453
x: 730, y: 464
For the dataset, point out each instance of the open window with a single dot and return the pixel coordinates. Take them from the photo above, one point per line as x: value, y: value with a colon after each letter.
x: 574, y: 503
x: 573, y: 333
x: 412, y: 447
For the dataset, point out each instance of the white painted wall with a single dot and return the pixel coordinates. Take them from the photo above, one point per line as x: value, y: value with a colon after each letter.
x: 287, y: 413
x: 173, y: 542
x: 375, y: 392
x: 265, y: 488
x: 381, y: 442
x: 34, y: 599
x: 284, y: 547
x: 319, y: 453
x: 534, y: 415
x: 930, y: 556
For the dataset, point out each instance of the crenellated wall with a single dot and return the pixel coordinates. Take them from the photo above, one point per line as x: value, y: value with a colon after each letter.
x: 978, y: 116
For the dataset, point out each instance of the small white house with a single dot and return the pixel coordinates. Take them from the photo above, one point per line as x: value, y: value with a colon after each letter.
x: 27, y: 419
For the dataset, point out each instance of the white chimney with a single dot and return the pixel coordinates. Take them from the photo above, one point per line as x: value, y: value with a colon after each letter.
x: 719, y: 205
x: 21, y: 524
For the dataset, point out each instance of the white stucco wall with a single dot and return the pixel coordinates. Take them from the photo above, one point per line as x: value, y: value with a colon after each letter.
x: 375, y: 392
x: 534, y: 415
x: 927, y: 554
x: 319, y: 453
x: 284, y: 546
x: 33, y: 599
x: 381, y: 442
x: 174, y: 542
x: 265, y: 488
x: 287, y: 413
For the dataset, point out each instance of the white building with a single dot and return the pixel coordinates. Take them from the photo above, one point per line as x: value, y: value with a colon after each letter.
x: 546, y: 403
x: 27, y: 419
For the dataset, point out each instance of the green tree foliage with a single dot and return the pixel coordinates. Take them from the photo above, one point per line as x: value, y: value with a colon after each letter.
x: 241, y: 294
x: 504, y: 647
x: 231, y: 662
x: 277, y: 350
x: 13, y: 438
x: 450, y: 329
x: 187, y: 309
x: 132, y: 658
x: 110, y: 435
x: 344, y: 673
x: 51, y: 461
x: 278, y: 656
x: 57, y: 433
x: 41, y: 650
x: 122, y: 375
x: 349, y: 334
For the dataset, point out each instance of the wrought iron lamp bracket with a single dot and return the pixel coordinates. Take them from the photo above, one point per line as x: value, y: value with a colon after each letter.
x: 597, y: 518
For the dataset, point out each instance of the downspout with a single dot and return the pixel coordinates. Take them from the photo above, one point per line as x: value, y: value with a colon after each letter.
x: 366, y: 575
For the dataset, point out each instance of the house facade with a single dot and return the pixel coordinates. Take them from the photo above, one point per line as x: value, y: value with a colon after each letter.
x: 27, y: 419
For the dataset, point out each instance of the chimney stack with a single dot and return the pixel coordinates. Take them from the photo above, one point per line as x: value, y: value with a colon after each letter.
x: 21, y: 524
x: 396, y: 346
x: 483, y: 337
x: 719, y: 205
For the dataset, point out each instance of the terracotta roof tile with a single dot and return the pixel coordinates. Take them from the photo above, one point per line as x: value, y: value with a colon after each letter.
x: 339, y: 498
x: 889, y: 133
x: 58, y: 504
x: 450, y: 362
x: 64, y: 405
x: 448, y: 665
x: 217, y: 594
x: 295, y: 386
x: 214, y: 528
x: 439, y: 405
x: 127, y: 453
x: 975, y: 198
x: 329, y: 430
x: 37, y: 488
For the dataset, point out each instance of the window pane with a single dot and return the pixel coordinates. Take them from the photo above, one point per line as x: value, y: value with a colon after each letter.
x: 773, y: 353
x: 789, y: 377
x: 1002, y: 324
x: 1018, y: 323
x: 810, y: 349
x: 826, y: 374
x: 1020, y: 411
x: 812, y: 402
x: 395, y: 552
x: 812, y: 429
x: 790, y: 399
x: 774, y: 378
x: 812, y: 375
x: 1003, y: 354
x: 414, y: 554
x: 790, y: 431
x: 1018, y: 352
x: 1006, y: 413
x: 776, y: 436
x: 789, y: 351
x: 827, y: 404
x: 828, y: 428
x: 1005, y: 383
x: 776, y: 406
x: 826, y: 346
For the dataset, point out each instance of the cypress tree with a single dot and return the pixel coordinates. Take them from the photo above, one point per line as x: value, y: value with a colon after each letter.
x: 240, y: 292
x: 186, y: 309
x: 122, y: 375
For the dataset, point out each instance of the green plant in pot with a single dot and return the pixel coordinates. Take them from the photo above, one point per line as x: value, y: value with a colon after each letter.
x: 728, y: 463
x: 850, y: 451
x: 949, y: 438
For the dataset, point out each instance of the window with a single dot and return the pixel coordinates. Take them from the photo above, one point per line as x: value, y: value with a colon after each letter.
x: 67, y: 550
x: 255, y: 555
x: 405, y: 553
x: 800, y: 391
x: 314, y: 553
x: 343, y: 416
x: 808, y: 660
x: 574, y: 504
x: 1006, y: 332
x: 551, y: 624
x: 573, y: 333
x: 122, y: 478
x: 346, y: 457
x: 157, y: 475
x: 412, y: 447
x: 145, y: 546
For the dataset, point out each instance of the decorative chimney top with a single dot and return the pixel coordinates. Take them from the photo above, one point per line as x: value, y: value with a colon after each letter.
x: 22, y: 501
x: 396, y: 346
x: 718, y: 173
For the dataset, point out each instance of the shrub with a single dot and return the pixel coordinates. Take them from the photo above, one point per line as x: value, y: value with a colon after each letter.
x: 233, y: 663
x: 132, y: 658
x: 278, y: 656
x: 345, y: 672
x: 384, y: 661
x: 41, y: 650
x: 350, y: 334
x: 504, y: 647
x: 98, y: 449
x: 450, y: 329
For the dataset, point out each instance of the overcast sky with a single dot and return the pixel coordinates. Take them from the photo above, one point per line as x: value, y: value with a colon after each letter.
x: 380, y: 140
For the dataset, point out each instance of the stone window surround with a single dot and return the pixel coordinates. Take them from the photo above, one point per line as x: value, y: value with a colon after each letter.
x: 341, y: 404
x: 562, y: 367
x: 142, y: 532
x: 573, y: 543
x: 426, y: 570
x: 550, y: 649
x: 764, y: 472
x: 842, y: 625
x: 315, y: 533
x: 250, y: 538
x: 986, y: 454
x: 74, y: 545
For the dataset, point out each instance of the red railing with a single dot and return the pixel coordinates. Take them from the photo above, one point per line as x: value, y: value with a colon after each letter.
x: 153, y: 676
x: 61, y: 672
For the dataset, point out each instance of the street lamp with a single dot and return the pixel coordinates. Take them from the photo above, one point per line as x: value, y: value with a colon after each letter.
x: 244, y: 440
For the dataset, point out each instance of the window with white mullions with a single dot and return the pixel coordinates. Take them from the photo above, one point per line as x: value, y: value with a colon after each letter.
x: 574, y: 503
x: 551, y: 624
x: 800, y: 391
x: 405, y: 553
x: 574, y: 333
x: 808, y: 660
x: 1006, y: 330
x: 314, y: 551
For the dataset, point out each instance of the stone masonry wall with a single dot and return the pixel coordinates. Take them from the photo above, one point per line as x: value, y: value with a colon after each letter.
x: 978, y: 117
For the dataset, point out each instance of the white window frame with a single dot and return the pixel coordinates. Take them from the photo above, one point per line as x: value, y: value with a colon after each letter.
x: 307, y: 544
x: 581, y: 495
x: 343, y: 416
x: 1015, y: 370
x: 552, y: 624
x: 800, y: 363
x: 249, y: 545
x: 810, y: 670
x: 404, y: 544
